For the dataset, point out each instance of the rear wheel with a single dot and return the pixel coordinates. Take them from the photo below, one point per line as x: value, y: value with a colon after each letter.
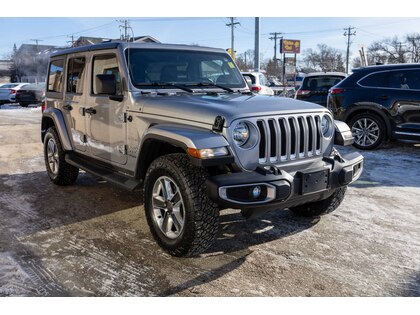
x: 59, y: 171
x: 181, y: 217
x: 321, y: 207
x: 368, y: 131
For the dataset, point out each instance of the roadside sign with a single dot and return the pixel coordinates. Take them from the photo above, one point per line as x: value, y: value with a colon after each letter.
x: 290, y: 46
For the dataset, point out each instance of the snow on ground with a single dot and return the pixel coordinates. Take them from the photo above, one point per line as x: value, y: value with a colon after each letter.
x: 92, y: 239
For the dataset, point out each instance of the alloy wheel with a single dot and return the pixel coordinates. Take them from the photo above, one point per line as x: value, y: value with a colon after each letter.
x: 52, y: 156
x: 366, y: 132
x: 168, y: 207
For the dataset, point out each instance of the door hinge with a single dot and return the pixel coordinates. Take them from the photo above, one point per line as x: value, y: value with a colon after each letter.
x: 127, y: 117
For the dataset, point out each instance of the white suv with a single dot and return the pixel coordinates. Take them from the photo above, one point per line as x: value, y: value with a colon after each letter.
x: 259, y: 83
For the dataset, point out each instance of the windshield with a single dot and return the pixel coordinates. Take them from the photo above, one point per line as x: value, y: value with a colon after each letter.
x: 153, y: 68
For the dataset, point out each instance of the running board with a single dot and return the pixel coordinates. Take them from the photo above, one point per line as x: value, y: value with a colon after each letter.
x: 118, y: 179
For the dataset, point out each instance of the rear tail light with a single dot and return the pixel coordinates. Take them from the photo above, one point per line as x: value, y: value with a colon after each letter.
x: 43, y: 106
x: 256, y: 88
x: 334, y: 91
x: 12, y: 91
x: 303, y: 92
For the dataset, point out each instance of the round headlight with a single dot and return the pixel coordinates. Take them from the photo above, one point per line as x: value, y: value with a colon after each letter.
x: 326, y: 126
x: 241, y: 133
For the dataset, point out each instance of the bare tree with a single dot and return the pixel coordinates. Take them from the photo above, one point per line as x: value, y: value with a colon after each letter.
x: 245, y: 61
x: 388, y: 50
x: 325, y: 58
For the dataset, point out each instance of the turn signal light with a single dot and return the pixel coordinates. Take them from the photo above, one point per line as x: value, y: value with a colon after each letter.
x: 207, y: 153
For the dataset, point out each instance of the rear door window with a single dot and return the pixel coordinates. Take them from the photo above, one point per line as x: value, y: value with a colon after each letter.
x: 404, y: 79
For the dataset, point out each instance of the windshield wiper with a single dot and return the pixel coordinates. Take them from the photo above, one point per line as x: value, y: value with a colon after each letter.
x: 163, y: 84
x: 211, y: 84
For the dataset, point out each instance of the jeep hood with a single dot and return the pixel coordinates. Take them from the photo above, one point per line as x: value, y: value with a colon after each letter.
x: 205, y: 108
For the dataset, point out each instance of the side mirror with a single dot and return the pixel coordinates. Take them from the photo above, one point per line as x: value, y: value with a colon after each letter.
x: 106, y: 84
x: 248, y: 82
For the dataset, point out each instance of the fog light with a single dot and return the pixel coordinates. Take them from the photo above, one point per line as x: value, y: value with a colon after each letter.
x: 256, y: 192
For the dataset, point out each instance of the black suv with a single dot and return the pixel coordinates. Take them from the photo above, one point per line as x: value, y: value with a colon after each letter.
x: 379, y: 103
x: 315, y: 86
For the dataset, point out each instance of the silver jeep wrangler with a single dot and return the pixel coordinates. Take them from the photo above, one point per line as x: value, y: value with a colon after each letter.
x: 179, y: 124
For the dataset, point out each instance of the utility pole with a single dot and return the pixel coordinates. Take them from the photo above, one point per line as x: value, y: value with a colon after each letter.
x: 232, y: 40
x: 36, y: 41
x: 415, y: 56
x: 125, y: 25
x: 348, y: 32
x: 72, y: 40
x: 275, y: 43
x: 257, y: 45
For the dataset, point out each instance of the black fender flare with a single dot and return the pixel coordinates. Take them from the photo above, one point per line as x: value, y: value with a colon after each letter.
x: 60, y: 125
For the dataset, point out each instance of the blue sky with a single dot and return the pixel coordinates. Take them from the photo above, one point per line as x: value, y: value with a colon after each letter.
x: 208, y: 31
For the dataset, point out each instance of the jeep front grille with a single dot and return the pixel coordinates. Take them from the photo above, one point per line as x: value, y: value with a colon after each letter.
x: 289, y: 137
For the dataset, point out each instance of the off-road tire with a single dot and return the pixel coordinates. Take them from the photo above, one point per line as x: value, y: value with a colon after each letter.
x: 201, y: 214
x: 318, y: 208
x: 67, y: 174
x: 382, y: 130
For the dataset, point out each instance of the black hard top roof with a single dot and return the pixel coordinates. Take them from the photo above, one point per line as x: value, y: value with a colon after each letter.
x: 115, y: 44
x: 388, y: 67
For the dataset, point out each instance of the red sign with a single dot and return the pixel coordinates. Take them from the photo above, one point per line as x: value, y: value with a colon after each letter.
x: 290, y: 46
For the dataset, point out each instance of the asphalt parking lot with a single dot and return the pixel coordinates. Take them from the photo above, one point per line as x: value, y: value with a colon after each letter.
x: 92, y: 239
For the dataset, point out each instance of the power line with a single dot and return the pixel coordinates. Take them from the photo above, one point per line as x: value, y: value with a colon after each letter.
x: 348, y: 32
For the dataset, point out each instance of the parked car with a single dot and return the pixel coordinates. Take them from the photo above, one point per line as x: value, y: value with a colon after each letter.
x: 147, y: 117
x: 13, y: 88
x: 30, y: 94
x: 315, y: 86
x: 8, y: 91
x: 379, y: 103
x: 259, y: 83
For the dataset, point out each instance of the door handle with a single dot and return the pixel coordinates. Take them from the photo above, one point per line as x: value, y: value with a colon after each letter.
x: 67, y: 107
x: 383, y: 97
x: 90, y: 111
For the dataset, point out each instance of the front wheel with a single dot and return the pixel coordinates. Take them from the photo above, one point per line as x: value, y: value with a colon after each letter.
x: 182, y: 218
x: 317, y: 208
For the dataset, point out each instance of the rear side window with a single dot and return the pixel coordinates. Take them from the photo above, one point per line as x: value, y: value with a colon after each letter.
x: 320, y: 83
x: 251, y: 77
x: 75, y: 75
x: 55, y: 76
x: 379, y: 79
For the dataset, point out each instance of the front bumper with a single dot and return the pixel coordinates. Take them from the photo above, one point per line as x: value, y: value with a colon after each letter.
x: 274, y: 188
